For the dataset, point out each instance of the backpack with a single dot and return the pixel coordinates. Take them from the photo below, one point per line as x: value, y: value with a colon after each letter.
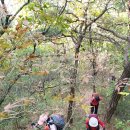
x: 93, y: 115
x: 58, y: 121
x: 97, y: 128
x: 97, y: 98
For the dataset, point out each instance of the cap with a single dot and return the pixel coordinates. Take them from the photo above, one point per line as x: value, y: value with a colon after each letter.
x: 93, y: 122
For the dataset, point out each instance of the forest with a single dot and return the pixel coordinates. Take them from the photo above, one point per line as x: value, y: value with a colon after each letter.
x: 54, y: 54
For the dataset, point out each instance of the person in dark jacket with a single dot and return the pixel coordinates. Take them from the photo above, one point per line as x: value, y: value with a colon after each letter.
x: 94, y: 103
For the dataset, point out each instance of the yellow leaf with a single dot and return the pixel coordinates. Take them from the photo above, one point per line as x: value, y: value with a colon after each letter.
x: 27, y: 102
x: 69, y: 98
x: 40, y: 73
x: 58, y: 97
x: 4, y: 45
x: 3, y: 115
x: 86, y: 108
x: 124, y: 93
x: 76, y: 99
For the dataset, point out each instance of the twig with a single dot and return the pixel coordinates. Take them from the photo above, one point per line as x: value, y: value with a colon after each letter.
x: 114, y: 33
x: 18, y: 11
x: 100, y: 15
x: 63, y: 8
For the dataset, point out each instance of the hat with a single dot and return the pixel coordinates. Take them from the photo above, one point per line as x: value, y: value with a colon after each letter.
x: 42, y: 119
x: 93, y: 122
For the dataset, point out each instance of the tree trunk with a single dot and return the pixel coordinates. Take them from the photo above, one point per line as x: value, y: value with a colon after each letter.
x: 115, y: 96
x: 72, y: 88
x: 126, y: 74
x: 93, y: 60
x: 127, y: 49
x: 81, y: 34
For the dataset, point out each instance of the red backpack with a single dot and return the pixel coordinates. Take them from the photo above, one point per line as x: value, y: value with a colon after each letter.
x: 93, y: 115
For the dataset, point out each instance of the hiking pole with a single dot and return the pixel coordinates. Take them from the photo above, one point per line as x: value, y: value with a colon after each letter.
x: 94, y: 110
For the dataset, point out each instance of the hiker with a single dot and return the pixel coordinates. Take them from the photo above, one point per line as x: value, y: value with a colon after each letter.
x: 51, y: 122
x: 95, y: 103
x: 94, y: 123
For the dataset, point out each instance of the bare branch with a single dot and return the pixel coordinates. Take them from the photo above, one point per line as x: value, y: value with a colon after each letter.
x: 2, y: 1
x: 103, y: 12
x: 112, y: 40
x: 63, y: 8
x: 9, y: 88
x: 74, y: 15
x: 4, y: 6
x: 6, y: 53
x: 114, y: 33
x: 19, y: 11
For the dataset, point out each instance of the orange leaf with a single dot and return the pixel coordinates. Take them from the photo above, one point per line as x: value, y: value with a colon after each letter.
x: 30, y: 57
x: 18, y: 26
x: 129, y: 88
x: 25, y: 45
x: 33, y: 56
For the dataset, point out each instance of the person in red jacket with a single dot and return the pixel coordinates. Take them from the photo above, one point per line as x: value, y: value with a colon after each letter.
x: 94, y: 123
x: 95, y: 103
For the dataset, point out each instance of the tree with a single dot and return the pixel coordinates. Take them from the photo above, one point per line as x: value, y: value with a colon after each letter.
x: 125, y: 74
x: 80, y: 32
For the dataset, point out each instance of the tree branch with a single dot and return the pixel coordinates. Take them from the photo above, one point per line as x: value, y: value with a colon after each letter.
x: 4, y: 6
x: 105, y: 9
x: 114, y: 33
x: 2, y: 2
x: 63, y: 8
x: 13, y: 17
x: 9, y: 88
x: 19, y: 11
x: 112, y: 40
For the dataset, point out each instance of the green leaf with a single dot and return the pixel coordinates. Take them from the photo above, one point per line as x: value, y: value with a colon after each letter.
x: 31, y: 6
x: 46, y: 5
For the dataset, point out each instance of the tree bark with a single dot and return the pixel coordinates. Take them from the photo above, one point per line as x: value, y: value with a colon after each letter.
x: 72, y: 88
x: 93, y: 60
x: 115, y: 96
x: 127, y: 48
x: 125, y: 74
